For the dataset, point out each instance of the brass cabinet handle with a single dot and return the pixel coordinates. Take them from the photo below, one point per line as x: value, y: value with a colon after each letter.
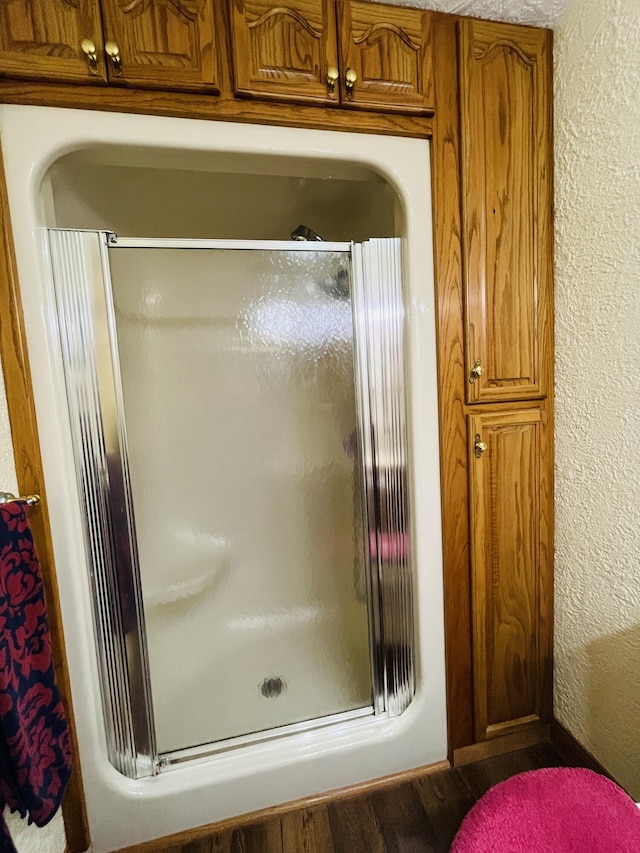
x: 332, y: 79
x: 350, y: 79
x: 89, y: 50
x: 479, y: 447
x: 113, y: 52
x: 476, y: 371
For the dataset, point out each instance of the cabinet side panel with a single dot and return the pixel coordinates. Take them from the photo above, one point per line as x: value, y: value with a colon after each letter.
x: 445, y: 150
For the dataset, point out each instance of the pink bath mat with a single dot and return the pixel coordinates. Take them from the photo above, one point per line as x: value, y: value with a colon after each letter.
x: 555, y: 810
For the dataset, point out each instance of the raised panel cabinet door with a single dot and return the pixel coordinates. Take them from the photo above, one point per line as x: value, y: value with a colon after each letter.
x: 161, y: 44
x: 52, y: 40
x: 285, y: 51
x: 512, y: 588
x: 505, y: 102
x: 386, y: 60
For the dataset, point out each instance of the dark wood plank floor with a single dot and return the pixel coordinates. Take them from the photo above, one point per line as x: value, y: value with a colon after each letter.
x: 422, y: 816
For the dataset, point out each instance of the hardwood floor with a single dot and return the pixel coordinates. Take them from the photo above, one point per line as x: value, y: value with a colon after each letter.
x: 414, y: 817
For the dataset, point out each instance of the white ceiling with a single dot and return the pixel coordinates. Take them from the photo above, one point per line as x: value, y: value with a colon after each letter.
x: 541, y: 13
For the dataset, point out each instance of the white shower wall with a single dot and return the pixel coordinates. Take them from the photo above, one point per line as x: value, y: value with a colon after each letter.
x: 263, y: 774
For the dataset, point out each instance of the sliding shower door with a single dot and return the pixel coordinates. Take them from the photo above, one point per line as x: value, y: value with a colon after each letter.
x: 243, y: 467
x: 237, y: 378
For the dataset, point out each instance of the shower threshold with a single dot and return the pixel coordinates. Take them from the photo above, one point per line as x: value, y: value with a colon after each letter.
x: 180, y: 756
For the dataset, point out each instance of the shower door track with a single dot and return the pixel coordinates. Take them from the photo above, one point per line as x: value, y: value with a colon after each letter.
x: 257, y: 245
x: 81, y: 277
x: 193, y: 753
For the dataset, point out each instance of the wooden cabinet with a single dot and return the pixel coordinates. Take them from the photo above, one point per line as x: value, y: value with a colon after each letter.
x: 42, y: 39
x: 282, y: 51
x: 157, y: 44
x: 376, y: 57
x: 505, y: 126
x: 161, y: 44
x: 512, y: 586
x: 506, y: 181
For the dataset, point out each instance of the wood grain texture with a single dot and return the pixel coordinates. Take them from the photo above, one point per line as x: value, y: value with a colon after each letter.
x: 164, y: 44
x: 506, y: 171
x: 40, y: 39
x: 509, y: 573
x: 500, y: 745
x: 445, y: 157
x: 26, y: 448
x: 212, y: 108
x: 284, y: 51
x: 307, y: 830
x: 390, y: 50
x: 403, y: 820
x: 354, y: 825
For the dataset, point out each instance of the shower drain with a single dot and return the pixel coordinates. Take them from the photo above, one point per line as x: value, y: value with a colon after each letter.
x: 272, y: 687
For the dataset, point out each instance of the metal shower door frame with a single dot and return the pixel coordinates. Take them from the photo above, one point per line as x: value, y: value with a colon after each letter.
x: 86, y: 317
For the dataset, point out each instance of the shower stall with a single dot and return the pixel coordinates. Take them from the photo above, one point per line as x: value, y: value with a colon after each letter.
x: 239, y: 435
x: 237, y: 411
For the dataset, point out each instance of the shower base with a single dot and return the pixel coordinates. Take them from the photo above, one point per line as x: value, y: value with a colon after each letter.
x: 256, y: 672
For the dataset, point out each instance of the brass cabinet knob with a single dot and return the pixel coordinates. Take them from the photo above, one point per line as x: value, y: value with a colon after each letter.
x: 89, y: 50
x: 479, y: 446
x: 350, y: 79
x: 476, y: 372
x: 113, y: 52
x: 332, y: 79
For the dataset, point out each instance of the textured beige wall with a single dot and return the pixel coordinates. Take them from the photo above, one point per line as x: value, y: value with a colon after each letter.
x: 597, y: 132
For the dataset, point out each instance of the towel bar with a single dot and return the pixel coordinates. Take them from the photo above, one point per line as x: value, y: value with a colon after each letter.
x: 31, y: 500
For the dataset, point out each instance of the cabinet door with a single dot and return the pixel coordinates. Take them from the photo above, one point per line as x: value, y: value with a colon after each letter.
x: 161, y: 44
x: 385, y: 56
x: 284, y: 51
x: 505, y: 102
x: 512, y: 588
x: 42, y: 39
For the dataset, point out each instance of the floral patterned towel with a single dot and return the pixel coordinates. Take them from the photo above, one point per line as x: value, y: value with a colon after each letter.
x: 35, y: 755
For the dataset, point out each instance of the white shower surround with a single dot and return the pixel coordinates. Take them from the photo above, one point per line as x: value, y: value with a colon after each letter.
x: 121, y: 811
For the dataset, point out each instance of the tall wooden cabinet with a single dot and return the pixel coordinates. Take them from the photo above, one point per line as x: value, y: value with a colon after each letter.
x: 505, y: 101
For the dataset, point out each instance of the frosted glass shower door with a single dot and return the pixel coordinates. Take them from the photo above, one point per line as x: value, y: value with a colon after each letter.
x: 237, y: 371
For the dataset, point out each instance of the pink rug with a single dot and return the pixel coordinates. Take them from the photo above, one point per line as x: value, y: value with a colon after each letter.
x: 555, y: 810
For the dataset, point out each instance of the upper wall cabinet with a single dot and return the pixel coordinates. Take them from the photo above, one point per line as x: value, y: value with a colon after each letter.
x: 385, y: 54
x: 52, y: 39
x: 155, y: 44
x: 378, y: 57
x: 505, y: 102
x: 286, y: 52
x: 161, y: 44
